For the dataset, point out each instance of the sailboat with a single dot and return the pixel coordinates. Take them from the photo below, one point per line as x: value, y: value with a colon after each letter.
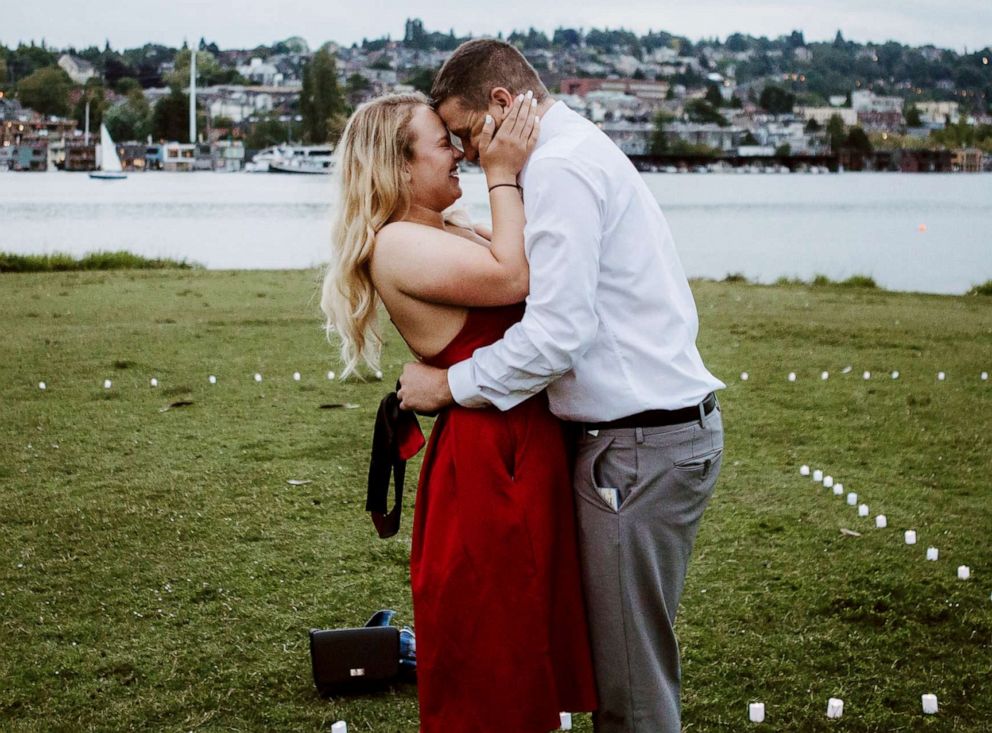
x: 110, y: 162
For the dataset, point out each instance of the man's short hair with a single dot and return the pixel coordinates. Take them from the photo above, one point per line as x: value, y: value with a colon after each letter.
x: 477, y: 67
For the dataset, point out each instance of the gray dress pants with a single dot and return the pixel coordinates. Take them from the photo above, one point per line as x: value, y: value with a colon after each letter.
x: 634, y: 560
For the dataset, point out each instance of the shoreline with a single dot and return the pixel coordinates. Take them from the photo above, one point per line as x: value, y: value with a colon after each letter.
x: 130, y: 263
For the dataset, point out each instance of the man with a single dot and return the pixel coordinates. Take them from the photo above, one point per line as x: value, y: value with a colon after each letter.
x: 609, y: 331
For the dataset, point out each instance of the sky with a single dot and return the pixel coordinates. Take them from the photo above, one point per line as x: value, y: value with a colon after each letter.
x: 958, y: 24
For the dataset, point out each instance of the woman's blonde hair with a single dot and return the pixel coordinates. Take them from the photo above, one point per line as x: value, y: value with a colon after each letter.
x: 376, y: 143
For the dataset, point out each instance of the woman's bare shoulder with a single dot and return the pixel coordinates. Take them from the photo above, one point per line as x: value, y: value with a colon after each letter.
x: 399, y: 230
x: 405, y: 233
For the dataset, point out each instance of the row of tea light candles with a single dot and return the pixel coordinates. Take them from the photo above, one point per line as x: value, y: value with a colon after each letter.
x: 835, y: 708
x: 153, y: 382
x: 881, y: 522
x: 745, y: 376
x: 791, y: 376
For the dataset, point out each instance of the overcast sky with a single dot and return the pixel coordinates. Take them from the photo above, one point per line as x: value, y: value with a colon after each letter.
x: 955, y: 24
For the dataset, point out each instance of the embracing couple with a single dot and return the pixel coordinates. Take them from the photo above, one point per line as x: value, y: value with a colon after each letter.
x: 578, y: 439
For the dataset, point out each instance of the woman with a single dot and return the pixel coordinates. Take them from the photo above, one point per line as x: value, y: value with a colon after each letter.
x: 501, y: 630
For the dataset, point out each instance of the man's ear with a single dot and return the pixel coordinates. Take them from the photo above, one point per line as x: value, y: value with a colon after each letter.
x: 500, y: 101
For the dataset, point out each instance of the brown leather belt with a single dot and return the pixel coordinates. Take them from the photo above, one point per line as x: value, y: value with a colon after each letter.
x: 658, y: 418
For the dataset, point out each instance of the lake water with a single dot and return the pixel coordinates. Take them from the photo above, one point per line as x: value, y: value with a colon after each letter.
x: 929, y: 233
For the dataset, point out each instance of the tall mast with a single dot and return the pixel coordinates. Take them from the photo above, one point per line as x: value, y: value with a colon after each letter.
x: 192, y: 95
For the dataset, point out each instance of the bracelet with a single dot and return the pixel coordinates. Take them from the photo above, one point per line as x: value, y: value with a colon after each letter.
x: 510, y: 185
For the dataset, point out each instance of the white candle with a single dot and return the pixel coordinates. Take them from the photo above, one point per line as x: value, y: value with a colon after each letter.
x: 258, y: 377
x: 930, y: 704
x: 835, y: 707
x: 107, y: 384
x: 212, y: 379
x: 803, y: 469
x: 838, y: 489
x: 824, y: 376
x: 154, y: 382
x: 910, y: 536
x: 792, y: 376
x: 964, y: 572
x: 378, y: 375
x: 330, y: 375
x: 895, y: 374
x: 866, y: 375
x: 744, y: 376
x: 940, y: 376
x: 41, y: 385
x: 932, y: 553
x: 756, y: 712
x: 985, y: 376
x: 881, y: 521
x: 863, y: 510
x: 852, y: 499
x: 818, y: 475
x: 828, y: 481
x: 339, y: 727
x: 566, y: 721
x: 296, y: 376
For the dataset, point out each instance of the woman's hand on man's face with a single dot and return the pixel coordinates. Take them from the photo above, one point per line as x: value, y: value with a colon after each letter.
x: 503, y: 152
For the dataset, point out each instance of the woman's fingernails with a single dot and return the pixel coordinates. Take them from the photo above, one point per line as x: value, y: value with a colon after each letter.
x: 530, y: 94
x: 489, y: 119
x: 520, y: 97
x: 533, y: 103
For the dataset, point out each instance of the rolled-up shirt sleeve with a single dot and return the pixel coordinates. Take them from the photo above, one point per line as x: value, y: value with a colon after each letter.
x: 563, y: 236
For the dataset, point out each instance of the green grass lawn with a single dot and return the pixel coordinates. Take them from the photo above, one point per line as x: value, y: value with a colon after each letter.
x: 159, y: 573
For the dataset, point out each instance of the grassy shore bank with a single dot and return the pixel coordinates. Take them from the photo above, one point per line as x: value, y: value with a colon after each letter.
x: 63, y: 262
x: 159, y: 573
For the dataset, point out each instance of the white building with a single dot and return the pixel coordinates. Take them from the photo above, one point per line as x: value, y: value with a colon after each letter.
x: 604, y: 105
x: 709, y: 134
x: 633, y: 138
x: 864, y: 100
x: 823, y: 114
x: 79, y: 70
x: 237, y: 103
x: 261, y: 72
x: 777, y: 134
x: 937, y: 113
x: 624, y: 65
x: 663, y: 55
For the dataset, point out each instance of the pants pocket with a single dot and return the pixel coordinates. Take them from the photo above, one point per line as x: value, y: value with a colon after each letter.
x: 702, y: 465
x: 614, y: 473
x: 594, y: 478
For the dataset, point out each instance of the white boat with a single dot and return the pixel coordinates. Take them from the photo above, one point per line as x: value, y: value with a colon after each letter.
x: 110, y: 162
x: 261, y: 160
x: 305, y: 159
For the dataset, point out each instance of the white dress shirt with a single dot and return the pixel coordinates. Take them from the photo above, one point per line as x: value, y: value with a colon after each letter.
x: 610, y: 324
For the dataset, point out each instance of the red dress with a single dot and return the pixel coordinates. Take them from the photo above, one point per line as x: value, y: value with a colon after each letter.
x: 502, y: 640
